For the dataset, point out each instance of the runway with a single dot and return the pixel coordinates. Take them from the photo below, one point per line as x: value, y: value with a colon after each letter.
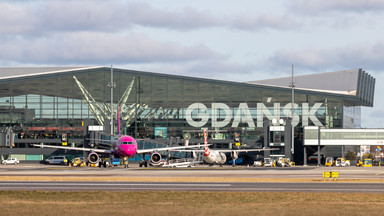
x: 203, y: 178
x: 193, y: 186
x: 299, y: 172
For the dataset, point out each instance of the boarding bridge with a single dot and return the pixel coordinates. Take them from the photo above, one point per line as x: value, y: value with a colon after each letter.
x: 319, y: 137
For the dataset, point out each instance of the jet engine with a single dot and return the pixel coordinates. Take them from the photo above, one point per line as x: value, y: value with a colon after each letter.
x: 93, y: 158
x: 155, y: 158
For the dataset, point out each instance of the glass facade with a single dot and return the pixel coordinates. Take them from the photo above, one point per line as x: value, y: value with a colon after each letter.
x: 158, y: 106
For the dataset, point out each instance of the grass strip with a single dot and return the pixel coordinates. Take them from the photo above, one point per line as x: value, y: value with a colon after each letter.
x: 188, y: 203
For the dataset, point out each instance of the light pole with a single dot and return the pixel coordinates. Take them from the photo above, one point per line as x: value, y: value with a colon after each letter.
x: 292, y: 85
x: 112, y: 85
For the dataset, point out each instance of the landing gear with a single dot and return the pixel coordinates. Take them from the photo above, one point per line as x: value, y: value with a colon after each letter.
x: 143, y: 163
x: 126, y: 164
x: 234, y: 156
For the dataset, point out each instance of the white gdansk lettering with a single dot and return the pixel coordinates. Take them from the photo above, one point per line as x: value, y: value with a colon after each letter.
x: 243, y: 114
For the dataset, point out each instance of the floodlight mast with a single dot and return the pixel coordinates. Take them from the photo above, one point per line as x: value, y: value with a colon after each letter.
x: 112, y: 85
x: 292, y: 85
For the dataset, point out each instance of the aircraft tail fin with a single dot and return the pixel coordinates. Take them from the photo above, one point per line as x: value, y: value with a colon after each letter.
x: 206, y: 149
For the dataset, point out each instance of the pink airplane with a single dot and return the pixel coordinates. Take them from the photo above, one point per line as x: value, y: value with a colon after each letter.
x: 124, y: 147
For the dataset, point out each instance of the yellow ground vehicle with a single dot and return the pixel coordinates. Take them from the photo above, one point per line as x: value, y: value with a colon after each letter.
x: 283, y: 162
x: 367, y: 162
x: 78, y: 162
x: 329, y: 161
x: 287, y: 162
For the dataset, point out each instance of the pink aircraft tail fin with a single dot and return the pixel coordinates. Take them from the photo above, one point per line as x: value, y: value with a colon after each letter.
x: 118, y: 119
x: 206, y: 150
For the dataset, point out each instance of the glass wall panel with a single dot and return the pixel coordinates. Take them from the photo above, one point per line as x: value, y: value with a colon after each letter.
x: 371, y: 135
x: 347, y: 135
x: 145, y: 90
x: 380, y: 135
x: 239, y: 94
x: 159, y: 91
x: 254, y: 94
x: 222, y: 93
x: 337, y: 135
x: 190, y: 92
x: 359, y: 135
x: 206, y: 92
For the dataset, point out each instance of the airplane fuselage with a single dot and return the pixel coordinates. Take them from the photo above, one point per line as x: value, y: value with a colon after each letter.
x: 214, y: 157
x: 126, y: 146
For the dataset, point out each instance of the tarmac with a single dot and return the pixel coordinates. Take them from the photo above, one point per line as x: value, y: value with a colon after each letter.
x: 200, y: 171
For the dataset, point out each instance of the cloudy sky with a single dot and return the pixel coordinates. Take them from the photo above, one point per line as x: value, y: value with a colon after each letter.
x: 221, y: 39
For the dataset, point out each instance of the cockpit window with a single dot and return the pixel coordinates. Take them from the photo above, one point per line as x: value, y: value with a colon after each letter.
x: 127, y: 143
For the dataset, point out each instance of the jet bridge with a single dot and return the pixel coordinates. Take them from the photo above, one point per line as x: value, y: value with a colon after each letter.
x: 320, y: 137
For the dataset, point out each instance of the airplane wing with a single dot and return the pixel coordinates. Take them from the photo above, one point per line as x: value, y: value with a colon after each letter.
x: 245, y: 150
x: 140, y: 151
x: 228, y: 150
x: 107, y: 151
x: 102, y: 140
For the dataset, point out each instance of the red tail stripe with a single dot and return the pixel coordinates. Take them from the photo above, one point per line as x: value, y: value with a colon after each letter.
x: 206, y: 150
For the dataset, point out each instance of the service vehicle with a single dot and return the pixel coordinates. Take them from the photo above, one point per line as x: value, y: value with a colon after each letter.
x: 56, y: 160
x: 287, y: 162
x: 115, y: 162
x: 268, y: 162
x: 11, y: 161
x: 258, y: 163
x: 341, y: 162
x: 366, y: 162
x: 283, y: 162
x: 329, y: 161
x: 78, y: 162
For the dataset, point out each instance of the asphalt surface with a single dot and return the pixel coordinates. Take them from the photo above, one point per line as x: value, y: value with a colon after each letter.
x: 226, y: 178
x: 298, y: 172
x: 193, y: 186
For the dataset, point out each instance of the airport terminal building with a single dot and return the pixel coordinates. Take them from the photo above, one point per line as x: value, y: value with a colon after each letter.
x: 61, y: 105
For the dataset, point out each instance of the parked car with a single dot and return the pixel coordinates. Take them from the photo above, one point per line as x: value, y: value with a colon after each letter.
x: 56, y: 160
x: 11, y: 161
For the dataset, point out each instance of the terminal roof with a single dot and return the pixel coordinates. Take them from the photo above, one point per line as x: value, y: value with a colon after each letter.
x: 14, y: 72
x: 355, y: 82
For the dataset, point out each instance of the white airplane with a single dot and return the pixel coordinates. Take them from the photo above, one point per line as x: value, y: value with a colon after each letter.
x: 218, y: 156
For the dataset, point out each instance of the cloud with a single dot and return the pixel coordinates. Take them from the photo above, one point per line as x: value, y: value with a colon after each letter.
x: 313, y: 7
x: 218, y: 68
x: 99, y: 48
x: 183, y: 19
x: 364, y: 55
x: 42, y: 17
x: 264, y: 21
x: 102, y: 16
x: 15, y: 19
